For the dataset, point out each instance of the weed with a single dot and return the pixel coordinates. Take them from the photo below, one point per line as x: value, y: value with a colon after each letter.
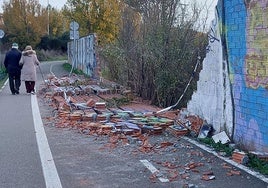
x: 219, y: 147
x: 254, y: 162
x: 258, y: 164
x: 68, y: 68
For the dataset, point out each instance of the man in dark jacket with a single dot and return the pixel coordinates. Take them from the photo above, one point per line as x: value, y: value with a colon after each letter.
x: 13, y: 68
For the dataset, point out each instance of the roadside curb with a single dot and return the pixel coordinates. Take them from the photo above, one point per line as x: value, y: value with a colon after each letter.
x: 242, y: 167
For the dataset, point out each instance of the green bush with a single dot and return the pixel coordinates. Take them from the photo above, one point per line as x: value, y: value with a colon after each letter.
x: 3, y: 76
x: 258, y: 164
x: 254, y: 162
x: 68, y: 67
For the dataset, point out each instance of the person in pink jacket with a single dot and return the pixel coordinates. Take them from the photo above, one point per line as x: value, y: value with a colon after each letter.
x: 29, y: 62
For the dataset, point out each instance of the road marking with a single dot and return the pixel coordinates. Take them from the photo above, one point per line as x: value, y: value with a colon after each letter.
x: 148, y: 165
x: 49, y: 169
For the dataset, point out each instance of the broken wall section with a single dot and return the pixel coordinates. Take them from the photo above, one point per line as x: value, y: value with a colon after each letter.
x: 212, y: 100
x: 82, y: 55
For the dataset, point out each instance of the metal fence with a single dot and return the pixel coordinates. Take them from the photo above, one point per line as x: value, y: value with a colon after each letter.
x: 82, y: 56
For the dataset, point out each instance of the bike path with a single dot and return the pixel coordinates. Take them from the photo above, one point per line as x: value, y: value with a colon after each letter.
x: 25, y: 158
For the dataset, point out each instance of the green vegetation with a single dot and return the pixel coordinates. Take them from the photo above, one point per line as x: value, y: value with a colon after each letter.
x: 258, y: 164
x: 3, y: 76
x: 254, y: 162
x: 219, y: 147
x: 156, y: 51
x: 68, y: 67
x: 33, y: 25
x: 96, y: 16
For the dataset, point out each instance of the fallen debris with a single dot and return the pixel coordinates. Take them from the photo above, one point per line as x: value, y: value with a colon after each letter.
x: 86, y: 102
x: 177, y: 130
x: 132, y: 125
x: 205, y: 130
x: 208, y: 177
x: 240, y: 157
x: 221, y: 137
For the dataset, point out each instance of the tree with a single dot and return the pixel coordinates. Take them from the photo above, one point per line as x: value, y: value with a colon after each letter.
x: 58, y: 24
x: 22, y: 20
x: 159, y: 55
x: 102, y: 17
x: 27, y: 22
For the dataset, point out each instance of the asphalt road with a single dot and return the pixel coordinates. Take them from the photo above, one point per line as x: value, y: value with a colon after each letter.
x: 84, y: 161
x: 20, y: 164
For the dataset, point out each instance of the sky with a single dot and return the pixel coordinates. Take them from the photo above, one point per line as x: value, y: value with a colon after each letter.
x: 54, y: 3
x: 210, y: 4
x: 59, y: 4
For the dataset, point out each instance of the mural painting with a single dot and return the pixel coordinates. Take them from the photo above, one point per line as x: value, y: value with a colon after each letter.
x: 247, y: 39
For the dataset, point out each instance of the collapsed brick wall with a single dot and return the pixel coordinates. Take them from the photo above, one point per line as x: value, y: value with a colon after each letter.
x: 83, y: 56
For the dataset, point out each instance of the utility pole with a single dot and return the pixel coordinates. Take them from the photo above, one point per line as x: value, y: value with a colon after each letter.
x: 48, y: 7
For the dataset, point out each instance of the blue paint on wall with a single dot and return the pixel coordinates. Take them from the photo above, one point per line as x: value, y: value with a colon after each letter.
x: 251, y: 105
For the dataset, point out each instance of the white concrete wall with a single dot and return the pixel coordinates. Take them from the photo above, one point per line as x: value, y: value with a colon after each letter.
x: 212, y: 100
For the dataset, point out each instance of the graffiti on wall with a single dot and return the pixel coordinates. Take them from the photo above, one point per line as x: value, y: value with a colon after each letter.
x: 82, y: 56
x: 212, y: 35
x: 257, y: 45
x: 247, y: 43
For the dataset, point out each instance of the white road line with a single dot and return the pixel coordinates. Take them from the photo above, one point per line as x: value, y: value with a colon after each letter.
x: 49, y: 169
x: 148, y: 165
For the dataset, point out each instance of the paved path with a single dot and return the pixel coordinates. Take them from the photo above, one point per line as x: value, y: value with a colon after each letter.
x: 25, y: 157
x: 19, y: 158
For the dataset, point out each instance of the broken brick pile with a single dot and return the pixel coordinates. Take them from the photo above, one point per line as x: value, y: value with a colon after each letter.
x: 81, y: 104
x: 240, y: 157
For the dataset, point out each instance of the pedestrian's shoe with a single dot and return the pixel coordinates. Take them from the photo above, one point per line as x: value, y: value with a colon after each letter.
x: 17, y: 92
x: 33, y: 93
x: 13, y: 93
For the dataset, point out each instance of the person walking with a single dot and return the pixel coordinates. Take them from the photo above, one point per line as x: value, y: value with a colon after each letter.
x: 13, y: 68
x: 29, y: 61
